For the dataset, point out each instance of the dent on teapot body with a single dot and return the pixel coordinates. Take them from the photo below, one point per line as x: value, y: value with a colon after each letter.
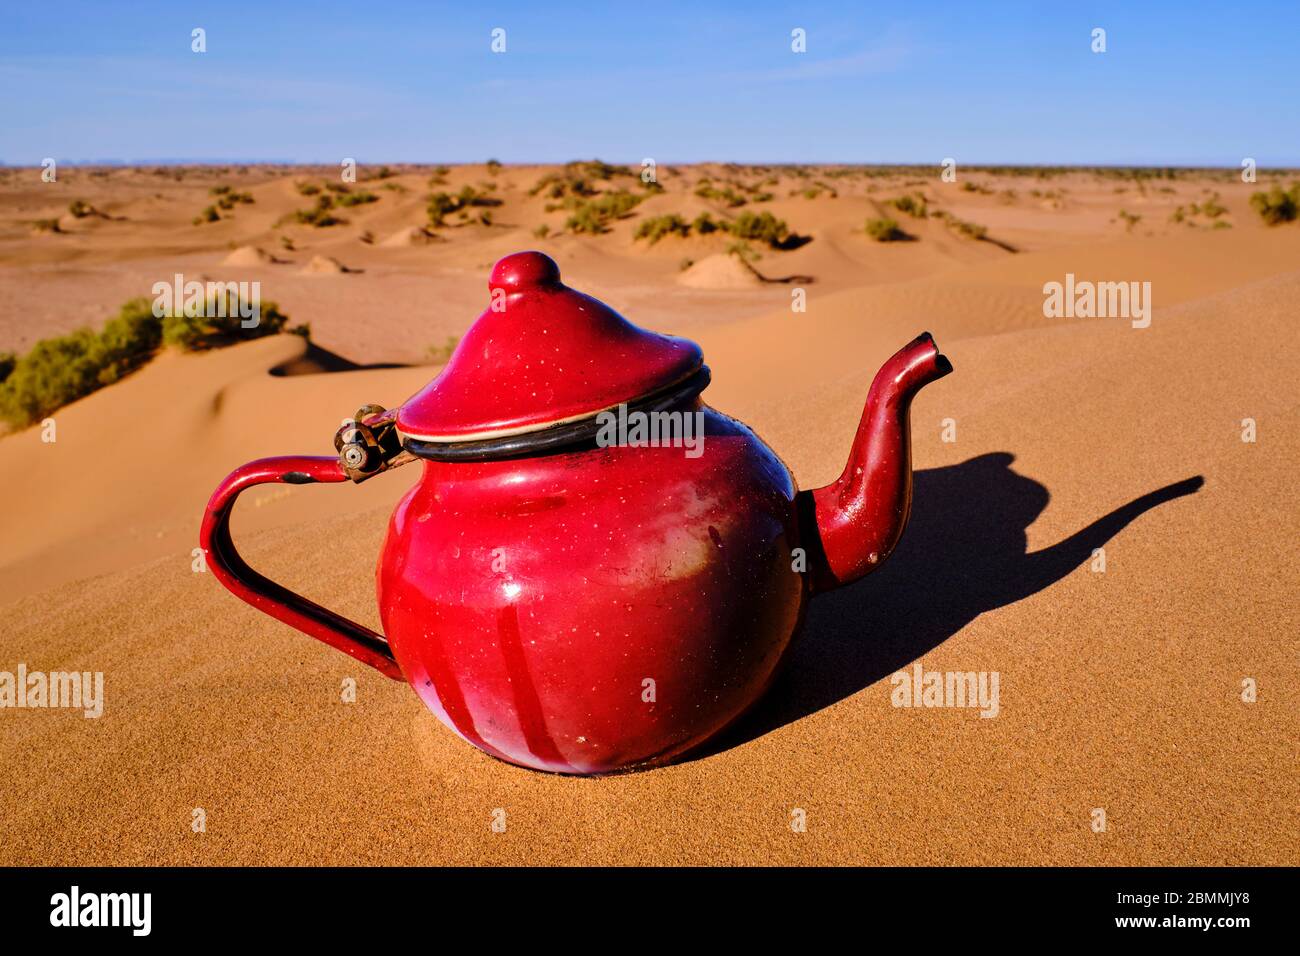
x: 577, y: 607
x: 595, y: 610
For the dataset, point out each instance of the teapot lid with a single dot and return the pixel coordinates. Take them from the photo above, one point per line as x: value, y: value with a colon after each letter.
x: 541, y: 355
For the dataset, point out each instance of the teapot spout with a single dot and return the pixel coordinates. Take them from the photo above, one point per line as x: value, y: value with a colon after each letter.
x: 852, y: 525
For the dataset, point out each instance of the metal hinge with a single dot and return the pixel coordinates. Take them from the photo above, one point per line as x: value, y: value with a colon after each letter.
x: 370, y: 443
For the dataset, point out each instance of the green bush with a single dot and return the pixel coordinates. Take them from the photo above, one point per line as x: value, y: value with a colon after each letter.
x: 884, y: 230
x: 227, y: 197
x: 128, y: 340
x: 1277, y: 205
x: 1212, y: 208
x: 60, y: 370
x: 594, y: 215
x: 443, y: 204
x: 577, y: 179
x: 763, y: 227
x: 440, y: 205
x: 358, y: 198
x: 319, y: 215
x: 657, y: 227
x: 703, y: 224
x: 972, y: 230
x: 912, y: 205
x: 727, y: 195
x: 55, y: 372
x: 199, y: 333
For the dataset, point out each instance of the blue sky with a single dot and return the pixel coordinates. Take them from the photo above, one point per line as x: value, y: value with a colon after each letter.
x: 1181, y: 83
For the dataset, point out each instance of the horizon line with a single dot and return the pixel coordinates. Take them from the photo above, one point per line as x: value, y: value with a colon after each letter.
x: 1082, y: 164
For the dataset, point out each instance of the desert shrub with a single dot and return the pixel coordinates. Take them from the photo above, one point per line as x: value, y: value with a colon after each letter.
x: 443, y: 204
x: 440, y: 205
x: 1277, y: 205
x: 580, y: 178
x: 657, y: 227
x: 742, y: 249
x: 972, y: 230
x: 367, y: 237
x: 703, y: 224
x: 493, y: 166
x: 1178, y: 215
x: 1130, y: 219
x: 884, y: 230
x: 763, y: 227
x: 307, y: 189
x: 726, y: 195
x: 1212, y: 208
x: 359, y: 198
x: 62, y: 369
x: 913, y: 205
x: 319, y: 215
x: 594, y: 215
x: 80, y: 209
x: 209, y: 214
x: 542, y: 231
x: 127, y: 341
x: 227, y: 198
x: 55, y: 372
x: 223, y: 325
x: 46, y: 225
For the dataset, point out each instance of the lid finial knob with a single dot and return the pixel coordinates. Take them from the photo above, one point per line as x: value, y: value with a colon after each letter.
x: 523, y: 270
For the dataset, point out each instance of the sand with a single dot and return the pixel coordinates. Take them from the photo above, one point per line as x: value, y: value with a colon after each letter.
x: 410, y: 236
x: 1119, y: 690
x: 248, y: 256
x: 323, y: 266
x: 720, y: 271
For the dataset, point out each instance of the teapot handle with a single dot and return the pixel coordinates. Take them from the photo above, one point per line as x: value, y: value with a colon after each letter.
x: 264, y: 594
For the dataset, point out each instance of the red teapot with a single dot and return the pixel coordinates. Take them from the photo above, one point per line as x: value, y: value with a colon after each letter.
x: 596, y: 571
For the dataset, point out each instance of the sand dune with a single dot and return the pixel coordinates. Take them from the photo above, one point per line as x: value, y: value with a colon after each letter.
x: 248, y: 256
x: 721, y: 271
x: 1119, y: 690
